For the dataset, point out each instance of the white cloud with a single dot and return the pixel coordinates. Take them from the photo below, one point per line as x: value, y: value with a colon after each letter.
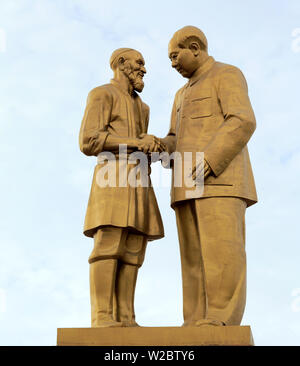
x: 2, y: 41
x: 3, y: 300
x: 296, y: 300
x: 296, y: 40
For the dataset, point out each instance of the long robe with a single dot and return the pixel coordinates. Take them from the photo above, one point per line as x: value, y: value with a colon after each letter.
x: 111, y: 110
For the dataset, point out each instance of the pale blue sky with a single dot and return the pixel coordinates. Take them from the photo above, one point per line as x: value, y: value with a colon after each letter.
x: 55, y: 52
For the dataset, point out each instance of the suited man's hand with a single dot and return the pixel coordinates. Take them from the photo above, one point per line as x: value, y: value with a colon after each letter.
x: 205, y: 171
x: 151, y: 143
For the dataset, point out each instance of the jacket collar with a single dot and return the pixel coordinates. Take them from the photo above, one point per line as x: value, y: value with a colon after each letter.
x: 203, y: 69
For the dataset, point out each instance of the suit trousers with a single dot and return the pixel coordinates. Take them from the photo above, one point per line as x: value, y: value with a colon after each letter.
x: 212, y: 247
x: 111, y: 242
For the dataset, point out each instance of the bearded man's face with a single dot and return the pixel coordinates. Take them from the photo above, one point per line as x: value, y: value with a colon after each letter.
x: 135, y: 70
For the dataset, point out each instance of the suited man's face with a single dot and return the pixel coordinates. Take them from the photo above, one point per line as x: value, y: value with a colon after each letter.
x: 183, y: 59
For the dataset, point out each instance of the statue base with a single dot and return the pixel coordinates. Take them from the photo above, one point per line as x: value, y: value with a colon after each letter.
x: 156, y: 336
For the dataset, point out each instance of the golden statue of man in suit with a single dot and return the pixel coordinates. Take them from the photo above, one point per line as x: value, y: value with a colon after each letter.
x: 211, y: 114
x: 121, y: 218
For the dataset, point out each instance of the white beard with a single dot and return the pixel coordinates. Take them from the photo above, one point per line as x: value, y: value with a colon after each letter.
x: 136, y: 81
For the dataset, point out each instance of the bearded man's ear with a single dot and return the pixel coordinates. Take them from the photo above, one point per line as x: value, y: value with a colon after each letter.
x: 121, y: 62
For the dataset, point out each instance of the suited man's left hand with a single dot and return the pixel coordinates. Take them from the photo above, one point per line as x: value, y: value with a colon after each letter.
x: 205, y: 171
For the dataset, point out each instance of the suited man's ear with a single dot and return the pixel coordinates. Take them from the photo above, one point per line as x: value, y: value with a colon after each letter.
x: 195, y: 48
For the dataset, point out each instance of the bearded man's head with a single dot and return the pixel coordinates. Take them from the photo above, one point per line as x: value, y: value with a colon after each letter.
x: 132, y: 64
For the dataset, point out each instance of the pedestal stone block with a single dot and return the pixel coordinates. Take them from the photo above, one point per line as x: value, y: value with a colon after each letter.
x: 156, y: 336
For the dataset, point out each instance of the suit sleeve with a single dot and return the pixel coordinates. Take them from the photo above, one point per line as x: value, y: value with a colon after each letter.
x: 172, y: 129
x: 93, y: 131
x: 170, y: 139
x: 239, y: 121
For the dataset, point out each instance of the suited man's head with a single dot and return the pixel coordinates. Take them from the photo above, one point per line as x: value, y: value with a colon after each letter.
x: 188, y: 50
x: 131, y: 63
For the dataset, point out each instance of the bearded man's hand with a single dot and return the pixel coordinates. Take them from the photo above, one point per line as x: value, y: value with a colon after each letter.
x: 150, y: 143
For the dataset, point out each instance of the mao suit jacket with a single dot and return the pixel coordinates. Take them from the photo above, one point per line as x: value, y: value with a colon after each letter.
x: 212, y: 114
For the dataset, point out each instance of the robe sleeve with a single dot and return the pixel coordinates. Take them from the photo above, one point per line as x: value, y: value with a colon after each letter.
x: 146, y: 115
x: 93, y: 131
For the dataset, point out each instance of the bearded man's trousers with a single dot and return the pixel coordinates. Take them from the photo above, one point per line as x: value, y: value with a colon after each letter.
x: 114, y: 263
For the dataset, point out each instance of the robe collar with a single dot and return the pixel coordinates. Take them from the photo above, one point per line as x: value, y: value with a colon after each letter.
x: 118, y: 85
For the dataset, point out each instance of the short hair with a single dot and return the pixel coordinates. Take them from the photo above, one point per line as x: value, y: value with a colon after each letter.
x: 114, y: 58
x: 190, y: 33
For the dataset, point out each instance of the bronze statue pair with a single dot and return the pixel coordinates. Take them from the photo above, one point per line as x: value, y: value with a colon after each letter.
x: 211, y: 114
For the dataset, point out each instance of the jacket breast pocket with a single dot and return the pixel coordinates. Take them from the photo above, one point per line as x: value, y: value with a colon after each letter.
x: 201, y: 107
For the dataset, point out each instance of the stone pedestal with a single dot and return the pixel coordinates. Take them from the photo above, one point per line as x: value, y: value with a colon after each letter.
x: 156, y: 336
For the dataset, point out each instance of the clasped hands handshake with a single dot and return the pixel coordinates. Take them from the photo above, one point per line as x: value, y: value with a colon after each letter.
x: 150, y: 143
